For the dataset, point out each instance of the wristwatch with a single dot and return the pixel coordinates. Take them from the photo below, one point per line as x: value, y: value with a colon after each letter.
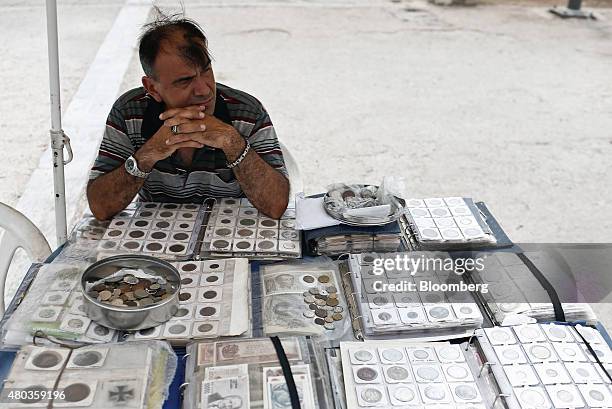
x: 131, y: 167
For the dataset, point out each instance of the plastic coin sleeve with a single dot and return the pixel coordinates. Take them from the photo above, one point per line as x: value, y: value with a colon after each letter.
x: 90, y: 358
x: 46, y: 359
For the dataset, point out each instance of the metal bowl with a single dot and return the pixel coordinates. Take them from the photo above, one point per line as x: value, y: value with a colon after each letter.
x: 124, y: 317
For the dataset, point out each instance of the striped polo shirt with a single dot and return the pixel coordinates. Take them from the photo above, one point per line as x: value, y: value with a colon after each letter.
x: 134, y: 118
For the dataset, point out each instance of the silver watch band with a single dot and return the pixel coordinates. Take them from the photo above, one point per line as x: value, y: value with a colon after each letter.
x: 131, y: 167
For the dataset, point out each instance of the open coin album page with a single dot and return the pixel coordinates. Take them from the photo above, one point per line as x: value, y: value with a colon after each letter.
x: 406, y: 374
x: 54, y: 304
x: 304, y: 298
x: 165, y: 230
x: 417, y: 311
x: 214, y: 301
x: 247, y: 374
x: 545, y: 366
x: 514, y: 291
x: 446, y: 223
x: 237, y: 229
x: 127, y: 375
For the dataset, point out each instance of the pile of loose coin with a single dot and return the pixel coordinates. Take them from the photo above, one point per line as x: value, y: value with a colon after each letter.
x: 131, y: 291
x: 323, y: 304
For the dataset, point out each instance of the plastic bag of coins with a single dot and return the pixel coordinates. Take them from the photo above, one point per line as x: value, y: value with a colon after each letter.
x: 127, y: 375
x: 54, y: 304
x: 165, y: 230
x: 247, y: 371
x: 303, y: 298
x: 408, y: 374
x: 237, y: 229
x: 424, y: 303
x: 549, y: 365
x: 214, y: 301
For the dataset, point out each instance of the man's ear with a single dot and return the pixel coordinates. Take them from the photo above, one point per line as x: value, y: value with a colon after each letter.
x: 149, y: 85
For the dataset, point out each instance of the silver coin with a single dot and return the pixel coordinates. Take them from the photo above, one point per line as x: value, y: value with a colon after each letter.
x: 384, y: 316
x: 557, y: 332
x: 306, y: 294
x: 392, y: 355
x: 439, y: 312
x: 533, y: 397
x: 540, y: 352
x: 363, y: 355
x: 500, y: 336
x: 324, y: 293
x: 367, y: 374
x: 314, y: 291
x: 553, y: 373
x: 421, y: 354
x: 371, y: 395
x: 457, y: 372
x: 565, y: 395
x: 511, y: 354
x: 435, y: 392
x: 309, y: 299
x: 597, y: 395
x: 47, y: 359
x: 130, y: 280
x: 428, y: 373
x: 449, y: 353
x: 329, y: 326
x: 398, y: 373
x: 466, y: 392
x: 404, y: 394
x: 309, y: 314
x: 338, y: 309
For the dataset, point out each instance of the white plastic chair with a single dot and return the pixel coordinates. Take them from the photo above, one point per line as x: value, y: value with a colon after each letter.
x: 19, y: 232
x: 295, y: 177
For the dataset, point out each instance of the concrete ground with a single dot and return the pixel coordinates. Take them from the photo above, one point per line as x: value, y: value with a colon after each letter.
x: 501, y: 102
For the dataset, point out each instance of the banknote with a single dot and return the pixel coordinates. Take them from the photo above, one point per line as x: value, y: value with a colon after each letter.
x: 226, y: 371
x: 270, y: 371
x: 276, y: 394
x: 284, y: 314
x: 226, y: 393
x: 246, y: 351
x: 282, y: 283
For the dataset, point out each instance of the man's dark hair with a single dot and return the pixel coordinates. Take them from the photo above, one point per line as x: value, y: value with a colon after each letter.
x: 166, y: 27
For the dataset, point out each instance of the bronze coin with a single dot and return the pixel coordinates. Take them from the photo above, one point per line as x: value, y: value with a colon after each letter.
x: 141, y: 223
x: 159, y: 235
x: 329, y: 319
x: 136, y: 234
x: 324, y: 279
x: 348, y: 193
x: 161, y: 225
x: 337, y: 316
x: 184, y: 296
x: 332, y: 302
x: 320, y: 313
x: 181, y: 236
x: 176, y: 248
x: 319, y: 321
x: 47, y: 359
x: 76, y: 392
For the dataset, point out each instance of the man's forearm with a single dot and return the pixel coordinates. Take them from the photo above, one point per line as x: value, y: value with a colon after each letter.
x: 111, y: 193
x: 264, y: 186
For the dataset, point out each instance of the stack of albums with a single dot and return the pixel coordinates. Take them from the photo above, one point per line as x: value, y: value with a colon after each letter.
x: 403, y: 374
x: 514, y: 291
x: 237, y: 229
x: 445, y: 224
x: 303, y: 298
x: 379, y: 311
x: 164, y: 230
x: 54, y: 305
x: 214, y: 301
x: 247, y: 374
x: 129, y: 375
x: 545, y: 366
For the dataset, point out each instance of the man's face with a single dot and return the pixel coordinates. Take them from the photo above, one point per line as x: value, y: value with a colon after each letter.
x: 180, y: 83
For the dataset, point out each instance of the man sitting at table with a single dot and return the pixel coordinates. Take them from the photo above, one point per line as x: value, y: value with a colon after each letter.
x: 183, y: 137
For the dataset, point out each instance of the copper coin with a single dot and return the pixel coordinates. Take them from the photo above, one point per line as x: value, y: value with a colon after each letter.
x: 105, y: 295
x: 319, y: 321
x: 332, y: 302
x: 320, y: 313
x: 337, y: 316
x: 324, y: 279
x: 329, y: 319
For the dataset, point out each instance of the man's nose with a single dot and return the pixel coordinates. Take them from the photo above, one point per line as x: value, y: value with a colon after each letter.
x: 201, y: 88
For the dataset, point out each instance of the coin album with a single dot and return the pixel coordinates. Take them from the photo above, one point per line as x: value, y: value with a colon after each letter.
x: 377, y: 313
x: 213, y: 301
x: 545, y: 366
x: 303, y: 298
x: 165, y: 230
x: 247, y: 373
x: 514, y: 290
x: 237, y: 229
x: 445, y: 223
x: 54, y: 304
x: 407, y: 374
x: 104, y: 376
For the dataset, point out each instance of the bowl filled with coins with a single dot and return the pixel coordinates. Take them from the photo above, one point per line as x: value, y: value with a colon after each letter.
x: 130, y: 292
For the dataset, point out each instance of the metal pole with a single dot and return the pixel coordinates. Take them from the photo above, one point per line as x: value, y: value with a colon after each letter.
x: 57, y: 135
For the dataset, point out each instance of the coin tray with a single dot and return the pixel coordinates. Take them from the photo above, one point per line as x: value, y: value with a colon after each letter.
x: 205, y: 329
x: 75, y: 323
x: 177, y: 329
x: 90, y: 358
x: 46, y: 359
